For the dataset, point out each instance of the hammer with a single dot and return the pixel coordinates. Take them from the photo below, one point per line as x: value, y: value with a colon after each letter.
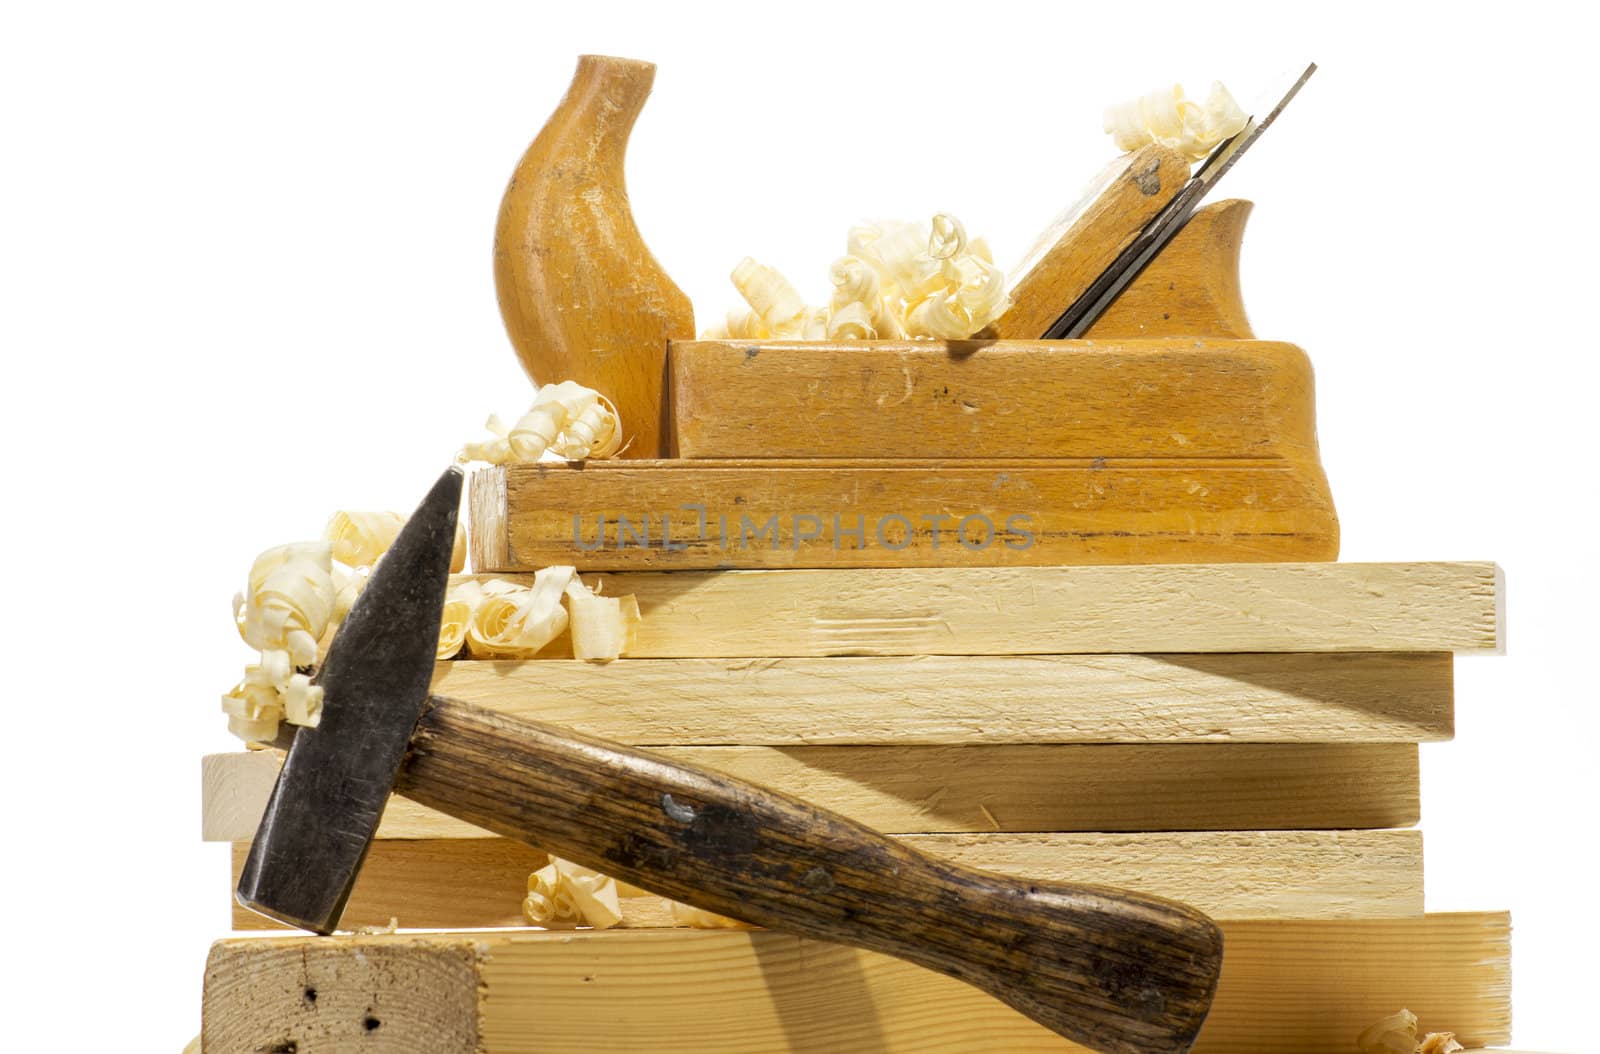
x: 1115, y: 971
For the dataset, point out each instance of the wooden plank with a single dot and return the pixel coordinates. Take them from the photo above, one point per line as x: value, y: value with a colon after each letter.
x: 234, y: 789
x: 1021, y: 512
x: 1416, y: 607
x: 1006, y: 788
x: 1087, y: 236
x: 940, y: 699
x: 1288, y: 986
x: 1171, y: 398
x: 446, y: 883
x: 439, y: 883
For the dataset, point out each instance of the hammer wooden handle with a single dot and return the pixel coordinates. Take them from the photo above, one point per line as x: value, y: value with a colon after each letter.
x: 1112, y: 970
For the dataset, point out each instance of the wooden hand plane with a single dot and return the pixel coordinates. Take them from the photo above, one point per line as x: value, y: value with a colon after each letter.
x: 1166, y: 434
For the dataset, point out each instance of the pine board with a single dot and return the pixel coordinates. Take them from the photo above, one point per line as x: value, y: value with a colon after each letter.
x: 458, y: 883
x: 940, y: 699
x: 1287, y: 987
x: 1411, y: 607
x: 433, y: 883
x: 819, y: 513
x: 1000, y: 789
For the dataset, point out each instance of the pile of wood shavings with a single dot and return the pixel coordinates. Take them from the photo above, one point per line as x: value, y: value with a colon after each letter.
x: 1169, y: 117
x: 897, y: 280
x: 298, y: 594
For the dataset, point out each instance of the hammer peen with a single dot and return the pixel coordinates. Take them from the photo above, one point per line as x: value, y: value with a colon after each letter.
x: 1115, y: 971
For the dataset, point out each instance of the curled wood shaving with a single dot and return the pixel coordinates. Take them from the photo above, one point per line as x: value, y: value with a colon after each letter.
x: 602, y: 627
x: 347, y: 586
x: 566, y: 422
x: 518, y: 624
x: 562, y: 895
x: 898, y: 252
x: 378, y: 931
x: 289, y: 600
x: 1169, y: 117
x: 771, y: 298
x: 1397, y: 1034
x: 452, y: 629
x: 359, y: 538
x: 288, y: 604
x: 497, y: 619
x: 973, y: 296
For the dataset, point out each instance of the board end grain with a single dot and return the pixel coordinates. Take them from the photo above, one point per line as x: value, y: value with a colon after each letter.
x: 486, y: 510
x: 317, y: 995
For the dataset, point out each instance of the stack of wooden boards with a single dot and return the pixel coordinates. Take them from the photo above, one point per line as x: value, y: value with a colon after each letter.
x: 868, y: 574
x: 1242, y: 737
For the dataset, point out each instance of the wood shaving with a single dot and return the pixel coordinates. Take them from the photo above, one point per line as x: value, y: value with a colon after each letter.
x: 567, y: 422
x: 897, y: 280
x: 452, y: 629
x: 700, y: 919
x: 518, y: 624
x: 1169, y: 117
x: 347, y: 587
x: 359, y: 539
x: 297, y: 596
x: 378, y: 931
x: 504, y: 620
x: 1397, y: 1034
x: 289, y: 599
x: 779, y: 309
x: 288, y: 604
x: 602, y: 627
x: 563, y: 895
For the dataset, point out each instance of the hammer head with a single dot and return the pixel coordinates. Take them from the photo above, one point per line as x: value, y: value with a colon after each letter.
x: 336, y: 780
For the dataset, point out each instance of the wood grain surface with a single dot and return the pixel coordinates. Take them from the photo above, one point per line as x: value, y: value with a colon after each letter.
x: 444, y: 883
x: 752, y: 513
x: 1086, y: 237
x: 582, y: 297
x: 438, y: 883
x: 1360, y: 697
x: 1119, y: 971
x: 1180, y: 397
x: 1191, y: 288
x: 1288, y: 987
x: 972, y: 789
x: 1413, y: 607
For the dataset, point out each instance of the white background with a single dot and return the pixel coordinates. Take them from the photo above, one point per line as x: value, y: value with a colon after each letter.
x: 246, y: 281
